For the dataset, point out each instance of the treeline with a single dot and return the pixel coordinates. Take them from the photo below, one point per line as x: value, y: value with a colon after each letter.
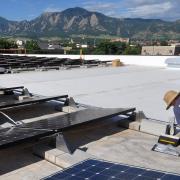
x: 102, y: 48
x: 110, y: 48
x: 7, y: 44
x: 116, y: 48
x: 31, y: 45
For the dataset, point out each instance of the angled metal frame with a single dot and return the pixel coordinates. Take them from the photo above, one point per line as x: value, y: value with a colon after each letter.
x: 12, y: 88
x: 42, y: 128
x: 31, y: 101
x: 23, y: 132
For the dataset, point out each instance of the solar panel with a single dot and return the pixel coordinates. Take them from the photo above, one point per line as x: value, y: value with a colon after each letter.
x: 11, y: 88
x: 24, y: 62
x: 79, y: 117
x: 27, y: 101
x: 10, y: 136
x: 93, y: 169
x: 53, y: 125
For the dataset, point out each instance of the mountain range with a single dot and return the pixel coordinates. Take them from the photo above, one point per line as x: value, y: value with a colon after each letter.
x: 78, y: 21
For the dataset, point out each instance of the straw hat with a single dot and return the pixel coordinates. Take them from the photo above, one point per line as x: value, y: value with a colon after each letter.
x: 169, y: 97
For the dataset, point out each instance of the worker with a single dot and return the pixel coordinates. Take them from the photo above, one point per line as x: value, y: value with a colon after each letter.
x: 172, y: 98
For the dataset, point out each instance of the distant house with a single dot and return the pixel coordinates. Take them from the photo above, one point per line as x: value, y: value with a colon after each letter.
x: 160, y: 50
x: 82, y: 46
x: 49, y: 46
x: 20, y: 44
x: 123, y: 40
x: 43, y: 45
x: 54, y: 46
x: 78, y: 45
x: 67, y: 48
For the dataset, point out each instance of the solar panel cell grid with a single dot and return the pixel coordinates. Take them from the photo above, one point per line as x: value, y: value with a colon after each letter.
x: 100, y: 170
x: 171, y: 177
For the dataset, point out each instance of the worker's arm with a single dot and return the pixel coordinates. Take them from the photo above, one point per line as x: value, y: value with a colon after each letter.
x: 177, y: 112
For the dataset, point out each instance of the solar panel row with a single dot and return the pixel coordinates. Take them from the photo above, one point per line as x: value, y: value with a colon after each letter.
x: 100, y: 170
x: 28, y: 131
x: 8, y: 61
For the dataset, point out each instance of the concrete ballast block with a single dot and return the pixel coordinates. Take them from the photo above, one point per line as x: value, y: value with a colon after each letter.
x: 66, y: 160
x: 153, y: 127
x: 133, y: 125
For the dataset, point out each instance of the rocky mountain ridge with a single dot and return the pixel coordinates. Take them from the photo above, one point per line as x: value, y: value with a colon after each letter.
x: 78, y: 21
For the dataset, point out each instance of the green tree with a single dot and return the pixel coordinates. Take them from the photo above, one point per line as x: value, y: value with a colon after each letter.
x: 164, y: 43
x: 107, y: 47
x: 32, y: 46
x: 7, y: 44
x: 132, y: 50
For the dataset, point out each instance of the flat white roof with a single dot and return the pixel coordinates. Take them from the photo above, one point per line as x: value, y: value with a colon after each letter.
x: 128, y: 86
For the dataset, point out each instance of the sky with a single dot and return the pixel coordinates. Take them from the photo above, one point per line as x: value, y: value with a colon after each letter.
x: 155, y: 9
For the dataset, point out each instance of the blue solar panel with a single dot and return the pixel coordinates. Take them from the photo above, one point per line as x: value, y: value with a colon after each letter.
x: 92, y: 169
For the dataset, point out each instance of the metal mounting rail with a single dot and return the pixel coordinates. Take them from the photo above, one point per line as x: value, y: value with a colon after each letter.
x: 54, y: 126
x: 9, y: 119
x: 11, y: 88
x: 30, y: 101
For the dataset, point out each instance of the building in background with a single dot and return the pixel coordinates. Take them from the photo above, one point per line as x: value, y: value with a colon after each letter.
x: 20, y: 44
x: 82, y: 46
x: 123, y: 40
x: 53, y: 46
x: 49, y: 45
x: 161, y: 50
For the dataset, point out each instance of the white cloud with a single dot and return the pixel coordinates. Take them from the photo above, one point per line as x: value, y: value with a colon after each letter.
x: 99, y: 6
x: 162, y: 9
x: 52, y: 8
x: 142, y: 2
x: 150, y: 10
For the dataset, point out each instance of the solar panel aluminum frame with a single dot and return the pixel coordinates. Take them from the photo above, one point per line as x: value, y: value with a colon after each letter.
x: 19, y: 133
x: 53, y: 126
x: 33, y: 135
x: 97, y: 169
x: 32, y: 101
x: 12, y: 88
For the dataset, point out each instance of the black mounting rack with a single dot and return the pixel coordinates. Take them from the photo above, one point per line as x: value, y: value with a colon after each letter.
x: 30, y: 101
x: 23, y: 132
